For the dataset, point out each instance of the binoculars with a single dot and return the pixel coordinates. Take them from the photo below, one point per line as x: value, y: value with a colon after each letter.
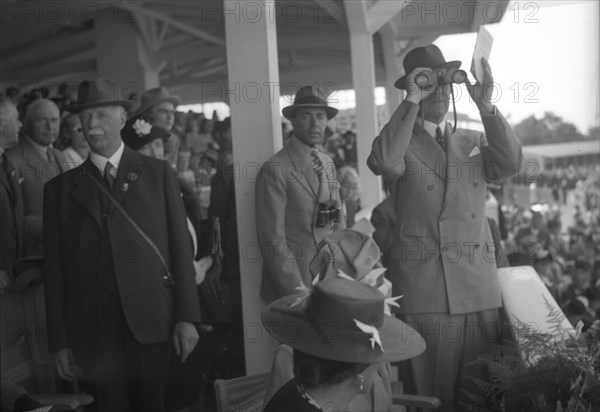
x: 440, y: 77
x: 329, y: 212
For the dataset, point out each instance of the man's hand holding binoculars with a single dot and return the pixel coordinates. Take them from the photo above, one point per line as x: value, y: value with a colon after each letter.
x: 414, y: 93
x: 482, y: 93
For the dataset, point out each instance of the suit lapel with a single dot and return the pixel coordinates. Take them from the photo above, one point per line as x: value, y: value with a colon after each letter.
x: 85, y: 191
x: 428, y: 151
x: 300, y: 166
x: 128, y: 173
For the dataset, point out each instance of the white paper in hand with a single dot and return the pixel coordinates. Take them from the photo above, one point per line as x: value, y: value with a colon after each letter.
x: 483, y: 48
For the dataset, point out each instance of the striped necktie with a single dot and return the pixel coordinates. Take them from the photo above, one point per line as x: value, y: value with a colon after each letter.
x: 316, y: 165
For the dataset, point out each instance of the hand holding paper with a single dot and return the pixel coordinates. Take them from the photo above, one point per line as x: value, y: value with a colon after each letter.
x: 483, y: 48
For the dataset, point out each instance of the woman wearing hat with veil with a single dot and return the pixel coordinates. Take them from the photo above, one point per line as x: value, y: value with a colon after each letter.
x: 341, y: 331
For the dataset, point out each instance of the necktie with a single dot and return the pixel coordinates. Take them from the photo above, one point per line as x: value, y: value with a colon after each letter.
x: 440, y: 138
x: 316, y: 165
x: 108, y: 177
x: 49, y: 155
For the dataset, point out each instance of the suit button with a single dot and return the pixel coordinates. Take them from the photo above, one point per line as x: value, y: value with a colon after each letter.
x: 430, y: 188
x: 473, y: 215
x: 477, y: 246
x: 475, y: 184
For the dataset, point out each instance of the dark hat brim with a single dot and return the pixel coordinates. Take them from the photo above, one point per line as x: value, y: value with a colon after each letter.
x: 171, y: 99
x: 290, y: 325
x: 455, y: 64
x: 288, y: 112
x: 126, y: 104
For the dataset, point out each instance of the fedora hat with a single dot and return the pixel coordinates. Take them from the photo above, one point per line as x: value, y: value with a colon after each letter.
x: 309, y: 96
x: 352, y: 252
x: 155, y: 96
x: 137, y: 133
x: 342, y: 320
x: 101, y: 92
x: 427, y: 56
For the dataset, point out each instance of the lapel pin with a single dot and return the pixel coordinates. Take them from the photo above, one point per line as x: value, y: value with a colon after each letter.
x: 124, y: 187
x: 132, y: 176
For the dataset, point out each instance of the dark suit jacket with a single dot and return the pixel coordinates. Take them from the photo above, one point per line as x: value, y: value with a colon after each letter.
x: 33, y: 171
x: 11, y: 215
x: 147, y: 190
x: 443, y: 257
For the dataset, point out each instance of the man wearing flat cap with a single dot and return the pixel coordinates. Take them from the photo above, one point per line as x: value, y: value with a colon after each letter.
x: 157, y: 107
x: 297, y: 197
x: 442, y: 255
x: 120, y: 284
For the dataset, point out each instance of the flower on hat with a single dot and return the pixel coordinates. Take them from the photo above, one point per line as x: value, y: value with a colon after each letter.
x: 370, y: 330
x: 305, y: 293
x: 371, y: 279
x: 142, y: 128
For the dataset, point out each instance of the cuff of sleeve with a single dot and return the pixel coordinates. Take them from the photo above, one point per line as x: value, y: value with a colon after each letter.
x: 493, y: 113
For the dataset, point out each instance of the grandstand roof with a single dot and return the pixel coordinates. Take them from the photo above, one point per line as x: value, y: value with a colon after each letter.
x: 558, y: 150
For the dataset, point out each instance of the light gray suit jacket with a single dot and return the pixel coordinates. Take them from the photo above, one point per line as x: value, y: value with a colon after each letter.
x: 442, y: 256
x: 287, y: 195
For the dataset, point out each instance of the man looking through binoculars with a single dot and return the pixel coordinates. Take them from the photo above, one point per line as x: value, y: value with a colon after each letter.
x: 442, y: 254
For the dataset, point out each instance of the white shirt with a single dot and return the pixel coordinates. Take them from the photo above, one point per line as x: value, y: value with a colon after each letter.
x: 100, y: 161
x: 431, y: 127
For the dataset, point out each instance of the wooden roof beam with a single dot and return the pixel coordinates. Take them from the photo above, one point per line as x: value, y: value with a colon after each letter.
x: 183, y: 27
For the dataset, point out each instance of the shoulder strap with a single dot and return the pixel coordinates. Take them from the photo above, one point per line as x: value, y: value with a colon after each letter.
x: 115, y: 202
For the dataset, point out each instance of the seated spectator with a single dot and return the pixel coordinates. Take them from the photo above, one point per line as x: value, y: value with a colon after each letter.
x: 332, y: 372
x: 77, y: 148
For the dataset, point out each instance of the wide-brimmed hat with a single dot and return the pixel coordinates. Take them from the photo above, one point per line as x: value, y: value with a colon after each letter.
x: 137, y: 133
x: 352, y: 252
x: 155, y: 96
x: 309, y: 96
x: 342, y: 320
x: 101, y: 92
x: 428, y: 56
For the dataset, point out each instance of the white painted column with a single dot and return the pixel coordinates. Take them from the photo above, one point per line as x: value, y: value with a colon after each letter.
x: 392, y: 67
x: 121, y: 53
x: 363, y: 78
x: 252, y: 67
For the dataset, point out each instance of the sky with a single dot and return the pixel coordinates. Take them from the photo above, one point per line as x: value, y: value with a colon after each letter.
x: 544, y: 58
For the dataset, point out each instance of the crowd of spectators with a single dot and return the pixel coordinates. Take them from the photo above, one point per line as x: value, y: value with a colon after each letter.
x: 561, y: 240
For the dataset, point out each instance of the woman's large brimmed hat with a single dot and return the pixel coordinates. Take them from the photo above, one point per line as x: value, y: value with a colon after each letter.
x: 101, y: 92
x: 428, y: 56
x: 309, y: 96
x: 342, y: 320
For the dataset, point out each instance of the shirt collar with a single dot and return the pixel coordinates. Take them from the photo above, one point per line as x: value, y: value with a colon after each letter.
x: 430, y: 127
x: 43, y: 150
x: 100, y: 161
x: 301, y: 147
